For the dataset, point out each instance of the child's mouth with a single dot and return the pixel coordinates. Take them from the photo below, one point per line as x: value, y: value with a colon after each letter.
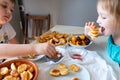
x: 102, y: 29
x: 6, y: 17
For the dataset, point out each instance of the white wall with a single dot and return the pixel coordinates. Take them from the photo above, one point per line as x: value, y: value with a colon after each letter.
x: 77, y: 12
x: 43, y: 7
x: 64, y: 12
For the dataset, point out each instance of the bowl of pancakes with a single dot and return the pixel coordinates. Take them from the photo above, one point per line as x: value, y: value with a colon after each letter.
x: 80, y: 41
x: 18, y: 69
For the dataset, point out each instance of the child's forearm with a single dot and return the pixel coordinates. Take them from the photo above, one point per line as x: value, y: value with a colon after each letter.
x: 10, y: 50
x: 13, y: 41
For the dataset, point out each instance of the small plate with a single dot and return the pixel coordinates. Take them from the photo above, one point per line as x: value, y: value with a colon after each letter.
x: 82, y: 74
x: 32, y: 59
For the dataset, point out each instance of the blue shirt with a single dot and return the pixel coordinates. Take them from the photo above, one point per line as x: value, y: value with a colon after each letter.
x: 113, y: 50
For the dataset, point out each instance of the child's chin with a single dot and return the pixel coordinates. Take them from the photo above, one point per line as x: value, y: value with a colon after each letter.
x: 4, y: 21
x: 105, y: 34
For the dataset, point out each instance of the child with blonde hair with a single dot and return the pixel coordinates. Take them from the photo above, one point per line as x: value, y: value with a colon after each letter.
x: 109, y: 22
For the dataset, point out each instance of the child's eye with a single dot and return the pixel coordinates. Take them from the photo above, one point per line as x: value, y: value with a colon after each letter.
x: 4, y: 6
x: 103, y: 17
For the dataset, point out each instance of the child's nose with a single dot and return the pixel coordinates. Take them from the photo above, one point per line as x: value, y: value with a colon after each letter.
x: 9, y: 11
x: 98, y: 21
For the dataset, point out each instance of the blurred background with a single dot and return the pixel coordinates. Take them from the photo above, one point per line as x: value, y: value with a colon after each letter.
x: 63, y: 12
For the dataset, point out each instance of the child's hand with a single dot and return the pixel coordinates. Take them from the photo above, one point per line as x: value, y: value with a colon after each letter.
x: 88, y: 25
x: 47, y: 49
x: 91, y: 30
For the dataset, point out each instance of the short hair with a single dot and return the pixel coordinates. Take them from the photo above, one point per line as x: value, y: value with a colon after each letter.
x: 112, y: 6
x: 13, y: 1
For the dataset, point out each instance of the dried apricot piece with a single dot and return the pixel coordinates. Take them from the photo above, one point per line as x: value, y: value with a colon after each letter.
x: 82, y: 36
x: 73, y: 39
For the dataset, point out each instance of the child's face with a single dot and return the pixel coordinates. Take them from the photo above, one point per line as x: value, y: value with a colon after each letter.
x: 6, y: 10
x: 106, y: 21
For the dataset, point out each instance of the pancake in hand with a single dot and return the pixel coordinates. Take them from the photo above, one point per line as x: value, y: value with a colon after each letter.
x: 94, y: 32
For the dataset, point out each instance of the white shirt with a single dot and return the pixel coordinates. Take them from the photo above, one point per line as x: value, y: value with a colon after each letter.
x: 6, y: 33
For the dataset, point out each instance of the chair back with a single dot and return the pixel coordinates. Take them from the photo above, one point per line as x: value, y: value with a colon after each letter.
x: 35, y: 25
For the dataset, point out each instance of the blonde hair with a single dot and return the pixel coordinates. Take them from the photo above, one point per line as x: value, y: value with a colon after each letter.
x: 112, y: 6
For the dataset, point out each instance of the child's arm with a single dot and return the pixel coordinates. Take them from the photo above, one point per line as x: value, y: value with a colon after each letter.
x: 13, y: 41
x: 10, y: 50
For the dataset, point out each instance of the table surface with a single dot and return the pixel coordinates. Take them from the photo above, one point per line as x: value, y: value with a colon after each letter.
x: 99, y: 45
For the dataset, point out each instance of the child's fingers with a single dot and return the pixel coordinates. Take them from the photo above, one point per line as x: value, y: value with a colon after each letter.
x: 92, y: 23
x: 86, y: 24
x: 51, y: 50
x: 50, y: 54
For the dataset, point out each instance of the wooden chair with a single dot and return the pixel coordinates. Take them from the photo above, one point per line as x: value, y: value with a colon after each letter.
x: 35, y: 25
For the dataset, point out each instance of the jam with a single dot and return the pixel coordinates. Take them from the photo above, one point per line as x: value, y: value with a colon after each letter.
x: 76, y: 56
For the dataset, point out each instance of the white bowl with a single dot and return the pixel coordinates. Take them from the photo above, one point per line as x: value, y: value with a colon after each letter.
x: 79, y: 46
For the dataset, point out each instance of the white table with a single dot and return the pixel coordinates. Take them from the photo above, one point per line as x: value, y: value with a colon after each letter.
x: 99, y: 44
